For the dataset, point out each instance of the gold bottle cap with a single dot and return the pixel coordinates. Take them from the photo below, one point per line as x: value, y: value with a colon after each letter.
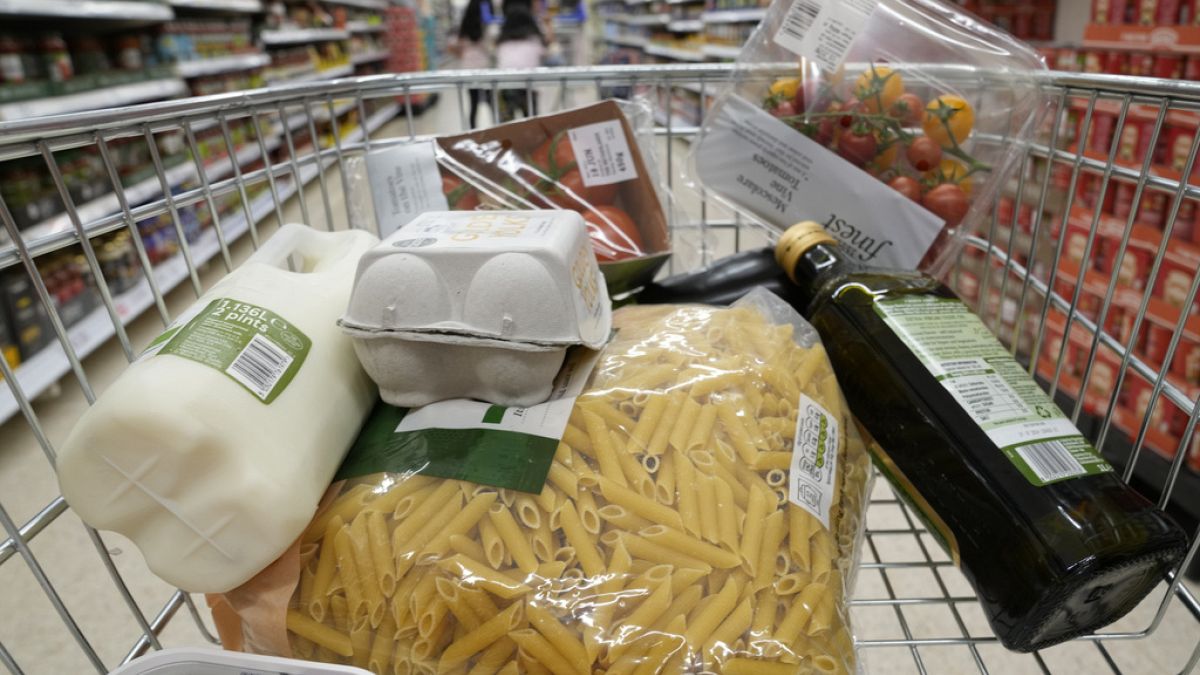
x: 798, y: 239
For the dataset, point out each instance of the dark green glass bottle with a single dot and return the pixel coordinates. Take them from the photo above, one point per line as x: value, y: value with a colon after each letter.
x: 1054, y: 543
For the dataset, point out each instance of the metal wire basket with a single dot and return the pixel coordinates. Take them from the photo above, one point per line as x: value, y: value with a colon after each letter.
x: 913, y: 611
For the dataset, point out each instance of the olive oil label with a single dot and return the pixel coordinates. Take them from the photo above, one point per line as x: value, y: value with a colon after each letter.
x: 814, y: 460
x: 959, y: 350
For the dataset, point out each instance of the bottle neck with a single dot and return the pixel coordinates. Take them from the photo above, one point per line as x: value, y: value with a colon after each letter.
x: 814, y: 267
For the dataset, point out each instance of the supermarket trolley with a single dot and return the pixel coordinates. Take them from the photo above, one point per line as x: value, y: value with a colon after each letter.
x: 250, y: 155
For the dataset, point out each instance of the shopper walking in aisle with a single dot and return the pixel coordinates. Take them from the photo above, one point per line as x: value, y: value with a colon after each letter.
x: 521, y: 45
x: 474, y: 52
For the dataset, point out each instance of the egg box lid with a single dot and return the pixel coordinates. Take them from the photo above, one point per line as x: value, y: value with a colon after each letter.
x: 511, y: 279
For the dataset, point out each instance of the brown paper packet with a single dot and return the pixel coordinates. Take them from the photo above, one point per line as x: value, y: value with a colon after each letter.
x: 253, y: 617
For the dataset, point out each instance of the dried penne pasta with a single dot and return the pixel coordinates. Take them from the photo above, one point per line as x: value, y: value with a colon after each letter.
x: 659, y: 541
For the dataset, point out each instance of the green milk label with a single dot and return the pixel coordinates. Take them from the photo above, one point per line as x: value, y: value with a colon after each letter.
x: 252, y: 345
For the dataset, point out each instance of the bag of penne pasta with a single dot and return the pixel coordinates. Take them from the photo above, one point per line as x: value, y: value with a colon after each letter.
x: 700, y: 512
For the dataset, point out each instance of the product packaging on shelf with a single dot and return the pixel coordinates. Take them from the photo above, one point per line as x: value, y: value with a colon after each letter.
x: 703, y: 509
x: 211, y: 451
x: 477, y: 304
x: 597, y: 160
x: 891, y: 122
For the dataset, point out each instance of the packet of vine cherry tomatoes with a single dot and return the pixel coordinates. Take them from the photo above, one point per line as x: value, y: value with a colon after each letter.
x: 589, y: 160
x: 891, y: 122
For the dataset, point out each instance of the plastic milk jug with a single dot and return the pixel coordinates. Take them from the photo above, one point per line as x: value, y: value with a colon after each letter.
x: 212, y: 450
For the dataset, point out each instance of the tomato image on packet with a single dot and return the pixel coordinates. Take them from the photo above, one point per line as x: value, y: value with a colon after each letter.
x: 460, y: 196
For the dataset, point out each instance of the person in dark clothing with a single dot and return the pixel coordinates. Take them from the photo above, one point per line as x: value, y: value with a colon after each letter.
x: 520, y: 45
x: 473, y: 52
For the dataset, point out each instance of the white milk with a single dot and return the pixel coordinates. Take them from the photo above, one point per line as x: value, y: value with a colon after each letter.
x: 204, y: 452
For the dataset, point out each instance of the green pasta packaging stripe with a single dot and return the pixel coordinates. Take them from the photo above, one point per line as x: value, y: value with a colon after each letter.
x: 495, y: 457
x: 506, y: 447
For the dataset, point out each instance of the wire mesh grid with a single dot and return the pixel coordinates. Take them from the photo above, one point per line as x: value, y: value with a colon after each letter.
x: 238, y: 159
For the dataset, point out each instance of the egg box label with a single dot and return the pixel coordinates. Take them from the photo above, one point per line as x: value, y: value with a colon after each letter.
x: 491, y: 230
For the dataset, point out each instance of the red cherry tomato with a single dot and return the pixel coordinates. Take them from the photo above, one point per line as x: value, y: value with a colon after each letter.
x: 857, y: 148
x: 947, y: 201
x: 555, y: 154
x: 798, y: 101
x: 908, y: 187
x: 614, y: 234
x: 459, y: 195
x: 783, y: 109
x: 909, y: 109
x: 924, y: 153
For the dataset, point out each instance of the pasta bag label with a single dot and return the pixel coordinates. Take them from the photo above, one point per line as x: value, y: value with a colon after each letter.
x: 464, y: 439
x: 814, y: 460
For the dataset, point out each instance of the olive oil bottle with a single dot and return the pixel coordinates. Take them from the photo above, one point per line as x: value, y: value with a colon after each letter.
x: 1054, y: 543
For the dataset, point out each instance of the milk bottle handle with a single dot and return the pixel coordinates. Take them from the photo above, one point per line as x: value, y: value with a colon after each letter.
x: 317, y: 251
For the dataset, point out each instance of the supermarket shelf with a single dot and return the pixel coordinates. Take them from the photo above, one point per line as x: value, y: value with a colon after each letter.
x: 320, y: 114
x: 734, y: 15
x: 302, y: 36
x: 1159, y: 170
x: 1141, y: 112
x: 124, y: 94
x: 722, y: 51
x: 143, y: 191
x: 329, y: 73
x: 710, y: 89
x: 376, y: 120
x: 673, y: 53
x: 639, y: 19
x: 40, y: 372
x: 627, y: 41
x: 224, y: 64
x: 363, y: 4
x: 119, y: 10
x: 686, y: 26
x: 370, y: 57
x: 1178, y: 39
x: 1158, y: 311
x: 325, y: 74
x: 46, y: 367
x: 246, y: 6
x: 364, y: 27
x: 676, y: 122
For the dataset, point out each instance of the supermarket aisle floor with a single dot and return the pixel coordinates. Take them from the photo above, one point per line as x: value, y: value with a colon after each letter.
x: 33, y: 633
